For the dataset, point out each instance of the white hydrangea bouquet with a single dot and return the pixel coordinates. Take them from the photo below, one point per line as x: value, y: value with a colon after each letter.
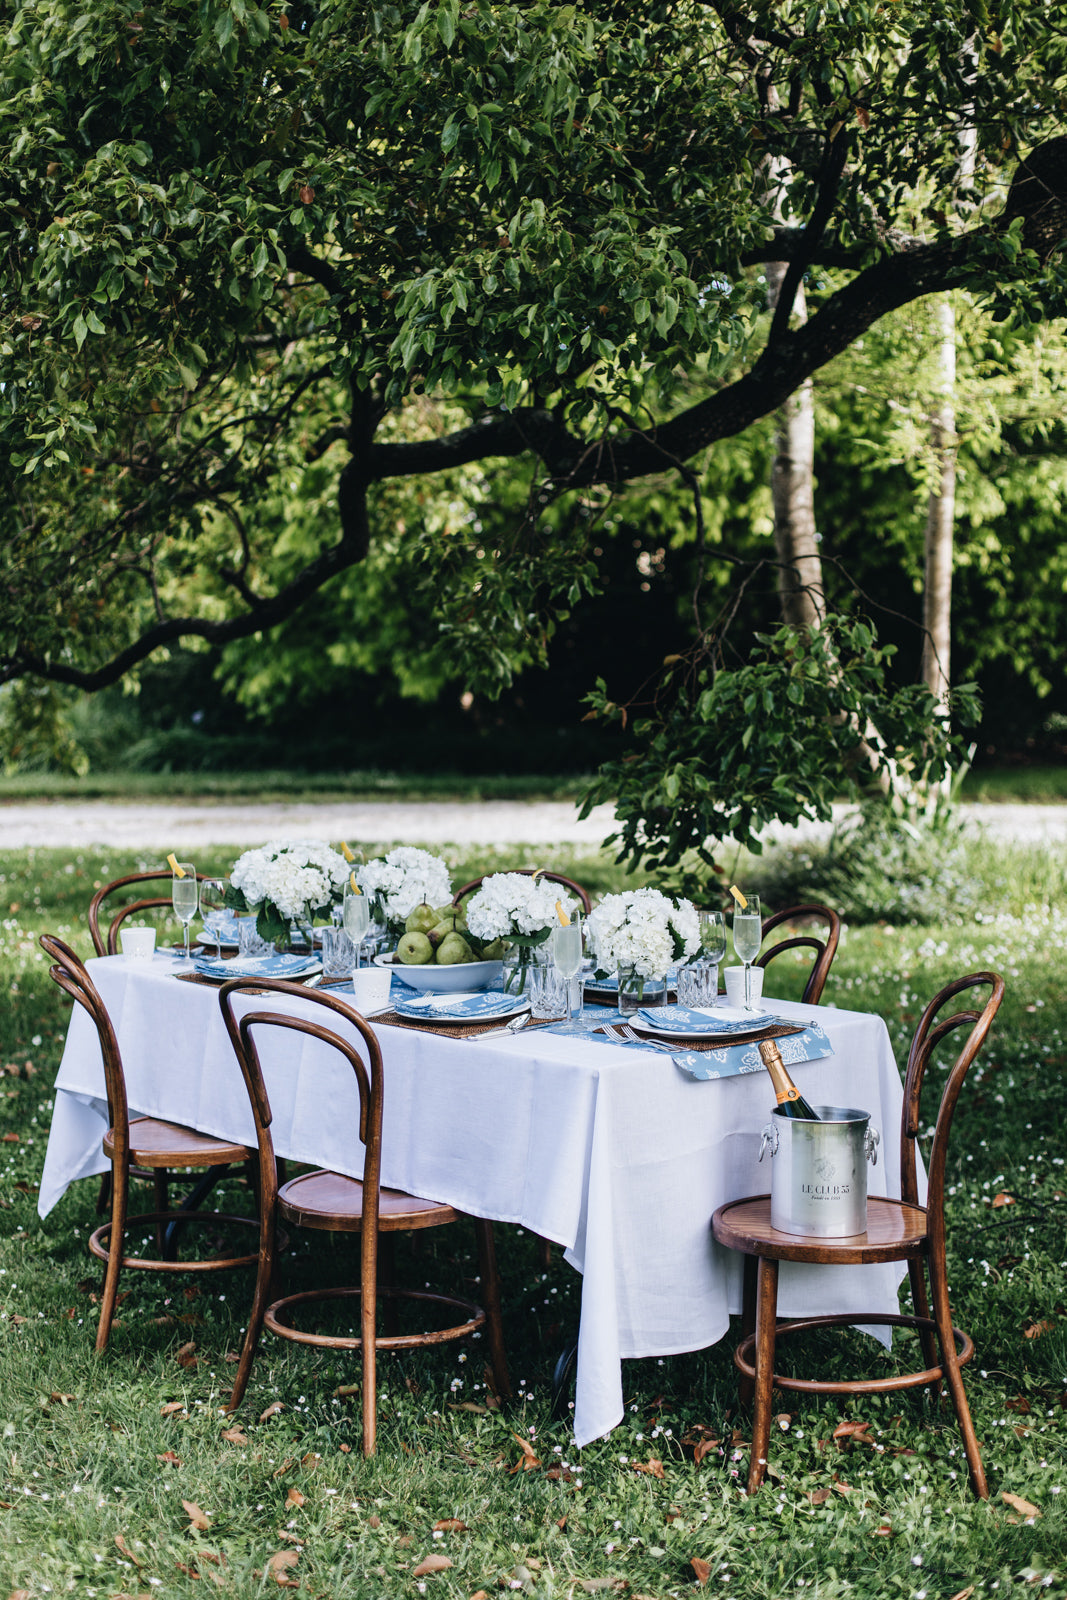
x: 639, y: 934
x: 286, y: 881
x: 398, y: 882
x: 521, y: 910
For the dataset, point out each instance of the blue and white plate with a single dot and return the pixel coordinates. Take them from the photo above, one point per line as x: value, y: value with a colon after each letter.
x: 260, y: 967
x: 229, y: 929
x: 609, y: 987
x: 471, y: 1007
x: 692, y: 1022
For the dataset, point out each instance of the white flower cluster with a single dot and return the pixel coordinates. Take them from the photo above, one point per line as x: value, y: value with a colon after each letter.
x: 298, y: 876
x: 510, y: 903
x: 643, y: 929
x: 403, y: 879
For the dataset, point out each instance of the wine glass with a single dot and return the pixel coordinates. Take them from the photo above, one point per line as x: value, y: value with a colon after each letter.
x: 183, y: 897
x: 712, y: 950
x: 748, y: 936
x: 356, y: 918
x: 567, y: 960
x: 213, y: 909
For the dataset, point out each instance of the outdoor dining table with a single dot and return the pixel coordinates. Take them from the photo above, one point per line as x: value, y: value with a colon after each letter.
x: 607, y: 1149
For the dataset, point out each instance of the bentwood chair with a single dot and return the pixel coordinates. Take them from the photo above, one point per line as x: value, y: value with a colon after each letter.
x: 530, y: 872
x: 337, y: 1204
x: 824, y: 946
x: 107, y: 944
x: 147, y: 1143
x: 897, y: 1230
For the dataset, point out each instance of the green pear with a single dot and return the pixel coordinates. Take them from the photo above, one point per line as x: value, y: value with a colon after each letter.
x: 452, y: 950
x: 438, y: 935
x: 452, y: 915
x: 415, y: 950
x: 494, y: 951
x: 422, y: 919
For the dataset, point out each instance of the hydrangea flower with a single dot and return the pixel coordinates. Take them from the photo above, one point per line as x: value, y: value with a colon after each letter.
x: 297, y: 877
x: 510, y: 904
x: 402, y: 880
x: 643, y: 929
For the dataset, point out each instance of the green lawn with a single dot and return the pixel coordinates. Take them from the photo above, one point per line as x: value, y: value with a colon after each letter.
x: 98, y: 1470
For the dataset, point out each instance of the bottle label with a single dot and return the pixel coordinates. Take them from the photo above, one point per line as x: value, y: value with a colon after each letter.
x: 792, y: 1093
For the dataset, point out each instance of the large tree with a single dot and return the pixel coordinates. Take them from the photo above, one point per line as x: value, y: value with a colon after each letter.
x: 246, y: 243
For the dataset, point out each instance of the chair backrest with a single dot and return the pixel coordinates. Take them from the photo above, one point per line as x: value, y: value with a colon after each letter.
x: 530, y: 872
x: 108, y: 944
x: 70, y: 973
x: 928, y: 1035
x: 368, y: 1073
x: 825, y: 948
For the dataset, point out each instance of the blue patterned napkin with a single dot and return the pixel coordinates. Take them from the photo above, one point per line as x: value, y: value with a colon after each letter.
x: 259, y: 967
x: 734, y: 1059
x: 473, y: 1007
x: 711, y: 1023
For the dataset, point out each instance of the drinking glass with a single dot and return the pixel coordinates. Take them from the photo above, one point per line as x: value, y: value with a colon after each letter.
x: 712, y: 950
x: 567, y: 960
x: 183, y: 897
x: 213, y: 909
x: 748, y: 936
x: 356, y: 920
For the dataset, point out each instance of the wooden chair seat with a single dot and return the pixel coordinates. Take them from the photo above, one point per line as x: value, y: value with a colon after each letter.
x: 153, y: 1143
x: 897, y: 1230
x: 331, y: 1201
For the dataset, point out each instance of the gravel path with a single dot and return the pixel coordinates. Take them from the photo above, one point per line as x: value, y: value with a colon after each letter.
x: 142, y: 825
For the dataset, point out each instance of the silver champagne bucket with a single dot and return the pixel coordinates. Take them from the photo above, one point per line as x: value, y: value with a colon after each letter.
x: 819, y: 1171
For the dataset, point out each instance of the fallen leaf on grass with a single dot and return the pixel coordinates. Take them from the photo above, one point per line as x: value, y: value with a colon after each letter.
x: 124, y: 1549
x: 1017, y: 1503
x: 849, y: 1430
x: 1020, y: 1404
x: 1037, y: 1330
x: 964, y: 1594
x: 819, y: 1497
x: 652, y: 1466
x: 235, y: 1436
x: 171, y: 1407
x: 1002, y: 1199
x: 468, y: 1405
x: 197, y: 1519
x: 290, y: 1461
x: 702, y: 1570
x: 704, y: 1447
x: 311, y: 1460
x: 480, y: 1594
x: 19, y: 1594
x: 11, y: 1138
x: 187, y: 1356
x: 291, y: 1538
x: 450, y: 1525
x: 279, y: 1565
x: 883, y: 1531
x: 431, y: 1563
x: 169, y: 1459
x: 294, y: 1497
x: 529, y: 1458
x: 61, y: 1399
x: 272, y: 1410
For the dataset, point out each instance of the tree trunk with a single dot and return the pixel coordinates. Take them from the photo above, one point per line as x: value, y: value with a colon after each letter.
x: 800, y: 586
x: 940, y: 517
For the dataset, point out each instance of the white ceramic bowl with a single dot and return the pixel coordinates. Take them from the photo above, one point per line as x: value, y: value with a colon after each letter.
x: 432, y: 979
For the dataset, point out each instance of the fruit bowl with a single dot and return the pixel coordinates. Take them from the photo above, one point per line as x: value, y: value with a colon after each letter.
x: 432, y: 979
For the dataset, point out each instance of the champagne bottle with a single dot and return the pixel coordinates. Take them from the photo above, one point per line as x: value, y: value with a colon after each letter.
x: 786, y: 1093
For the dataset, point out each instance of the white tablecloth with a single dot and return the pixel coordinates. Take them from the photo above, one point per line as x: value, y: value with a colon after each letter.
x: 612, y: 1153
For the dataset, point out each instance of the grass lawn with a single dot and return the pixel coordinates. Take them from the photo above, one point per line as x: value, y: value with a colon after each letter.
x: 121, y: 1477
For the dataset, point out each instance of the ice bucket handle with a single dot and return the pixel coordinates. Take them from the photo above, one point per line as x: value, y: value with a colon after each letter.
x: 871, y: 1140
x: 770, y: 1137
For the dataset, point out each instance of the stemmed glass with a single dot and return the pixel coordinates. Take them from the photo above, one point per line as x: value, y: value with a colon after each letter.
x: 567, y: 960
x: 712, y: 950
x: 748, y: 936
x: 183, y: 897
x: 213, y: 909
x: 356, y: 919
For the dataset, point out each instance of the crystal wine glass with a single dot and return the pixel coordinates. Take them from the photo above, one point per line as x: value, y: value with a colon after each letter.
x: 183, y: 897
x: 712, y: 950
x: 567, y: 960
x: 356, y: 919
x: 748, y: 936
x: 213, y: 909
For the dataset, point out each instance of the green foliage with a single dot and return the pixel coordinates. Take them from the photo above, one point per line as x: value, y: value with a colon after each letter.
x: 727, y: 750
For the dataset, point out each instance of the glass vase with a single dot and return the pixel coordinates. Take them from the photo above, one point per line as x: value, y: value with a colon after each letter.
x: 637, y: 993
x: 518, y: 959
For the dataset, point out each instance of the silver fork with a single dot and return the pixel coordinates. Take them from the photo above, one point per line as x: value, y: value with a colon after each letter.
x: 636, y: 1038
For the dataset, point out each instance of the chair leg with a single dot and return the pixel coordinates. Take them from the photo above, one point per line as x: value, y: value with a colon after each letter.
x: 266, y: 1290
x: 490, y: 1297
x: 116, y: 1245
x: 921, y: 1306
x: 745, y: 1386
x: 950, y: 1365
x: 368, y: 1328
x: 544, y: 1253
x: 766, y: 1321
x: 166, y: 1247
